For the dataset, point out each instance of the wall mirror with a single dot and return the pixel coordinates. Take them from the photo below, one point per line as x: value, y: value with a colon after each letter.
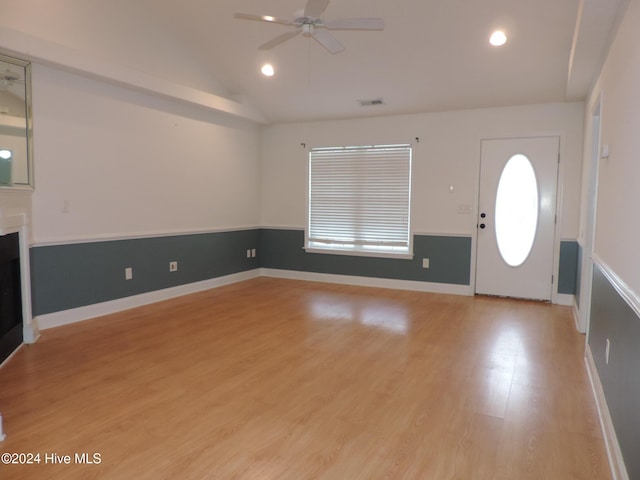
x: 16, y: 132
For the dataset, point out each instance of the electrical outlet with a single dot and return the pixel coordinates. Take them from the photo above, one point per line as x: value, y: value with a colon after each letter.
x: 173, y: 266
x: 248, y: 253
x: 253, y: 253
x: 128, y: 273
x: 425, y: 263
x: 607, y: 350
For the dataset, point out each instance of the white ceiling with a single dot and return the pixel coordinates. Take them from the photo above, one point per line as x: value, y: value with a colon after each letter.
x: 433, y: 55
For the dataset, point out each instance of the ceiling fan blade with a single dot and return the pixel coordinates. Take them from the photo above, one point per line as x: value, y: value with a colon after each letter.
x: 262, y: 18
x: 328, y: 41
x: 356, y: 24
x: 315, y: 8
x: 278, y: 40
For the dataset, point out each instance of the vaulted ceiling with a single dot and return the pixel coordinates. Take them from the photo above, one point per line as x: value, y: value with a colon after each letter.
x: 432, y: 55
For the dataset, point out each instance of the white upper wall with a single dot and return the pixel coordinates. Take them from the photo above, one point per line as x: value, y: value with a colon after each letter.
x: 111, y: 162
x: 447, y: 154
x: 115, y: 31
x: 617, y: 227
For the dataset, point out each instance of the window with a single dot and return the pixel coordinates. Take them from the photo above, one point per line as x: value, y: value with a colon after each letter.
x: 516, y: 210
x: 359, y: 200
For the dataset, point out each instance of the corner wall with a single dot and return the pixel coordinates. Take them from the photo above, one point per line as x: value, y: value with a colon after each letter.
x: 127, y: 179
x: 615, y: 292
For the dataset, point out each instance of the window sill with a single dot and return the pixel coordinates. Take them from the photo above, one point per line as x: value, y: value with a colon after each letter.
x: 358, y: 253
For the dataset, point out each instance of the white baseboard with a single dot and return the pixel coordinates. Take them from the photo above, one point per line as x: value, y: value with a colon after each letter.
x: 565, y: 299
x: 616, y: 462
x: 79, y: 314
x: 31, y: 331
x: 65, y: 317
x: 575, y: 310
x: 369, y: 281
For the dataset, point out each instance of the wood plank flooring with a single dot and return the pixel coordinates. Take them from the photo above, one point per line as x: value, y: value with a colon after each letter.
x: 279, y: 379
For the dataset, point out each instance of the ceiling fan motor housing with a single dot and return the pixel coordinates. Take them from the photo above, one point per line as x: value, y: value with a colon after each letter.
x: 310, y: 24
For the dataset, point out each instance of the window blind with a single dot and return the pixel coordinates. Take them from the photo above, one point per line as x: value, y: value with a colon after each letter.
x: 359, y: 198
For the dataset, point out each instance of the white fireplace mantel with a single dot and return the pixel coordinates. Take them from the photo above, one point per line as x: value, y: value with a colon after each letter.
x: 11, y: 223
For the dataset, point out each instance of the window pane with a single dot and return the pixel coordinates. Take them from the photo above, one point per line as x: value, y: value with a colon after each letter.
x: 359, y: 198
x: 516, y: 210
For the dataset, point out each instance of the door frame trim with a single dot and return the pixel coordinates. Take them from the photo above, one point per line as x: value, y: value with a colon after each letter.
x: 562, y: 145
x: 588, y: 229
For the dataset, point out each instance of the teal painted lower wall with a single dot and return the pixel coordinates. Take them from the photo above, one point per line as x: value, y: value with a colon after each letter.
x: 614, y: 319
x: 568, y: 267
x: 578, y: 288
x: 450, y: 259
x: 77, y: 275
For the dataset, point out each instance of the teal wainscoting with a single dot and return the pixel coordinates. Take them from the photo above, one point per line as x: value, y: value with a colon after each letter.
x: 614, y: 319
x: 568, y: 270
x: 80, y: 274
x: 579, y: 274
x: 450, y: 259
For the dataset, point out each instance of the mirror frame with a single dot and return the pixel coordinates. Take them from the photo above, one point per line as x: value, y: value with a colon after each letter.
x: 26, y: 65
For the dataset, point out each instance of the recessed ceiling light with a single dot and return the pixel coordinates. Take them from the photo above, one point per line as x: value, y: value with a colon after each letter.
x: 267, y: 70
x: 498, y: 38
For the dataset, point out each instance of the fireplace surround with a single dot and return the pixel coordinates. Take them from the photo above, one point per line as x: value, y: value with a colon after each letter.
x: 15, y: 276
x: 10, y: 295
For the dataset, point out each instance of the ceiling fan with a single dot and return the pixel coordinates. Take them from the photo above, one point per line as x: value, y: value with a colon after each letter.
x: 310, y: 24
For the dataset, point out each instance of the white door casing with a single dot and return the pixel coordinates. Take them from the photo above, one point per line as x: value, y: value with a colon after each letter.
x: 531, y: 278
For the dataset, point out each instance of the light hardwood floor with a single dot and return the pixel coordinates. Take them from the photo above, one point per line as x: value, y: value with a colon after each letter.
x: 279, y: 379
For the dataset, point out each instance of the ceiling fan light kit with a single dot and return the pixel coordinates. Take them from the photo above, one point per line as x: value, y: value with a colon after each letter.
x: 312, y: 25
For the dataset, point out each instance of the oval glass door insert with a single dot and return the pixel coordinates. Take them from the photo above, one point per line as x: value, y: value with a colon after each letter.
x: 516, y: 215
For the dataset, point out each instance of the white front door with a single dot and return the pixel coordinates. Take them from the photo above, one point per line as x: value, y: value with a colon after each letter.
x: 516, y: 219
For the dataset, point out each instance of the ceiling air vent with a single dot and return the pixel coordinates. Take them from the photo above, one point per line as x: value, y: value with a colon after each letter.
x: 371, y: 103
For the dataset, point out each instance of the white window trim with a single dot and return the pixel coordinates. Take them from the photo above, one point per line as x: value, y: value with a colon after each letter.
x: 364, y: 251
